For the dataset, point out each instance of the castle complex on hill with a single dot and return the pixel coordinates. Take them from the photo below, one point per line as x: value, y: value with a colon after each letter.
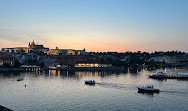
x: 32, y: 47
x: 36, y: 48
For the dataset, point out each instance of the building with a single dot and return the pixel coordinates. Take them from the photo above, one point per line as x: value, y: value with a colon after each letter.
x: 58, y: 51
x: 70, y: 60
x: 37, y: 48
x: 166, y: 59
x: 32, y: 47
x: 92, y: 63
x: 15, y: 49
x: 6, y: 58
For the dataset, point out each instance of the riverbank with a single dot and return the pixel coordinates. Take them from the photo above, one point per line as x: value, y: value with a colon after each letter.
x: 92, y: 69
x: 12, y: 70
x: 2, y: 108
x: 114, y: 69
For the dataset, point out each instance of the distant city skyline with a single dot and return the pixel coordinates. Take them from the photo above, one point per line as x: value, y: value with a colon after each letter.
x: 96, y: 25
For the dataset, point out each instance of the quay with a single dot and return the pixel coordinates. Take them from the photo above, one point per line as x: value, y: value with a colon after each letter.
x: 169, y: 77
x: 2, y: 108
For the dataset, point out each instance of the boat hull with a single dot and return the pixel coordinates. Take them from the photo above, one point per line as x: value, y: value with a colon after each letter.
x: 89, y: 83
x: 148, y: 91
x: 20, y: 79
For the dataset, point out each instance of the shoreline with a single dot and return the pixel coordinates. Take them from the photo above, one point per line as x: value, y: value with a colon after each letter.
x: 2, y: 70
x: 12, y: 70
x: 91, y: 69
x: 2, y: 108
x: 66, y: 69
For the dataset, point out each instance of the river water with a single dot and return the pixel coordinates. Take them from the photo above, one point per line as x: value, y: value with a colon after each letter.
x: 114, y: 91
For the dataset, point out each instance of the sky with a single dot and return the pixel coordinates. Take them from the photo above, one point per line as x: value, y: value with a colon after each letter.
x: 96, y: 25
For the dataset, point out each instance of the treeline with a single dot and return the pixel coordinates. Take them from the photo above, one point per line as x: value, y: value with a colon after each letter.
x: 135, y: 62
x: 16, y: 64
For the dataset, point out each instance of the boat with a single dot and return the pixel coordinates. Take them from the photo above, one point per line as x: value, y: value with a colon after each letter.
x: 90, y: 82
x: 149, y: 89
x: 159, y: 74
x: 20, y: 79
x: 183, y: 74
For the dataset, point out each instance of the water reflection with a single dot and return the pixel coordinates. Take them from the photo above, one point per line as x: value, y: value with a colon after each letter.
x: 59, y: 90
x: 147, y: 94
x: 80, y: 74
x: 116, y: 85
x: 90, y: 85
x: 62, y: 73
x: 10, y: 75
x: 160, y: 79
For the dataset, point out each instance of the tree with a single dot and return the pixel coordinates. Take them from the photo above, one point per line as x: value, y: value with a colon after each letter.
x: 16, y: 64
x: 6, y: 65
x: 42, y: 64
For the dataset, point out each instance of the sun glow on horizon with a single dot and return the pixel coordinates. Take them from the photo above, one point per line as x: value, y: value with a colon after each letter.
x: 102, y: 26
x: 95, y: 46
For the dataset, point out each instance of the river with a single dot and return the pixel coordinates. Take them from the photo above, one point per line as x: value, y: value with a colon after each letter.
x: 115, y: 91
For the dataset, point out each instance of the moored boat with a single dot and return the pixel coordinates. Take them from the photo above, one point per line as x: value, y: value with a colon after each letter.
x: 183, y: 74
x: 158, y: 75
x: 149, y: 88
x: 161, y: 75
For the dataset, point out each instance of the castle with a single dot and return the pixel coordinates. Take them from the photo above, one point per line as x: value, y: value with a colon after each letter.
x: 32, y: 47
x: 37, y: 48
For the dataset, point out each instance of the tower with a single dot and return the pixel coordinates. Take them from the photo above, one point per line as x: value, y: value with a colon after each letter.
x: 29, y: 46
x: 84, y: 50
x: 33, y: 44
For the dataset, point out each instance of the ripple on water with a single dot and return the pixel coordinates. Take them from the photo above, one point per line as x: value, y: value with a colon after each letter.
x: 112, y: 92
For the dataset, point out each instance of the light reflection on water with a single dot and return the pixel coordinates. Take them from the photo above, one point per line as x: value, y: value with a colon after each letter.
x: 65, y: 90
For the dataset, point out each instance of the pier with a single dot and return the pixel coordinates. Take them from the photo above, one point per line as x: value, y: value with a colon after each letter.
x: 169, y: 77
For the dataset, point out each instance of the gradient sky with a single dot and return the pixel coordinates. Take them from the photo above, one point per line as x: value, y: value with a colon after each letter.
x: 97, y: 25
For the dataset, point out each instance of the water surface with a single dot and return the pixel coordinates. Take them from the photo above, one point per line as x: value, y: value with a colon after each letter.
x: 62, y: 90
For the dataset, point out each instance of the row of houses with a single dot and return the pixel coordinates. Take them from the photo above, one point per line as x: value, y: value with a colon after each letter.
x: 6, y: 58
x: 50, y: 61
